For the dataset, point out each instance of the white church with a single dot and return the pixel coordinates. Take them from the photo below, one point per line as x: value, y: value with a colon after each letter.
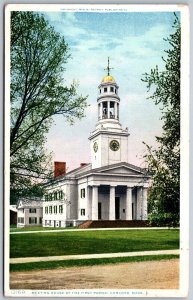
x: 109, y: 188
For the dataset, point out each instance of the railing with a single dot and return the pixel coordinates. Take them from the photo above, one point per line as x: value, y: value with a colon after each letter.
x: 105, y: 116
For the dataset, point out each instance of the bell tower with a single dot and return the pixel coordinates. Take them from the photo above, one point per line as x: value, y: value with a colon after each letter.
x: 108, y: 142
x: 108, y: 101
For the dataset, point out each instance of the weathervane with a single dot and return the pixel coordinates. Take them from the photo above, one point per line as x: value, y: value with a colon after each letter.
x: 108, y: 68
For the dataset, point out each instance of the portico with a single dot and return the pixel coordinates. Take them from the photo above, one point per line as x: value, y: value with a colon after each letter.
x: 114, y: 202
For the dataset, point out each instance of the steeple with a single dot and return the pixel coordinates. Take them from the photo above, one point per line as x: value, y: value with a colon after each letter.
x: 109, y: 141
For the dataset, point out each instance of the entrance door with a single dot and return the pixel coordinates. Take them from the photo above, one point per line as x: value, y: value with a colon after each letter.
x: 117, y: 208
x: 99, y: 211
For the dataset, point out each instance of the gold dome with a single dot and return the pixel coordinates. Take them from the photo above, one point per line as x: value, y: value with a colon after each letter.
x: 108, y: 78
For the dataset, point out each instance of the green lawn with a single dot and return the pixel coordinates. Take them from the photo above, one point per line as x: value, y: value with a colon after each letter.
x: 88, y: 242
x: 48, y: 265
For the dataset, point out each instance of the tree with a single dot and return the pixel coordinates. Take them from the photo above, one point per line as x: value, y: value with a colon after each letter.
x: 38, y: 93
x: 164, y: 162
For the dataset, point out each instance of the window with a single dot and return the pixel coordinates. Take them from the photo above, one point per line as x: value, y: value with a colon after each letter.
x: 60, y: 209
x: 82, y: 193
x: 112, y: 89
x: 40, y: 220
x: 57, y: 195
x: 115, y: 91
x: 105, y: 90
x: 50, y: 209
x: 82, y: 212
x: 55, y: 209
x: 46, y: 210
x: 32, y: 220
x: 60, y: 195
x: 20, y: 220
x: 32, y: 210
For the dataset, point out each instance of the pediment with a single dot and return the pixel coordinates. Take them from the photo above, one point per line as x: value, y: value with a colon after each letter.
x: 127, y: 170
x: 20, y: 203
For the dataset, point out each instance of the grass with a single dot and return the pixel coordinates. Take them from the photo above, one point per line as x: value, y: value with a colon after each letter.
x: 89, y: 242
x: 48, y: 265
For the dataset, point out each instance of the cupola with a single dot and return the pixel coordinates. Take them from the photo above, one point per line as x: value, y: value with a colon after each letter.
x: 108, y: 100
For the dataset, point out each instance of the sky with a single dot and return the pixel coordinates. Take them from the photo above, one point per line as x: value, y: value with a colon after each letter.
x: 134, y: 42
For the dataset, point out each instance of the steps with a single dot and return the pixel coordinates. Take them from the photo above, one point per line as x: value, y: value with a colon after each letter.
x: 85, y: 224
x: 114, y: 224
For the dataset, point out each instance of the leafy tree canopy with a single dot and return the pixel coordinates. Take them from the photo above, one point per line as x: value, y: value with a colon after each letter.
x: 164, y: 162
x: 38, y: 58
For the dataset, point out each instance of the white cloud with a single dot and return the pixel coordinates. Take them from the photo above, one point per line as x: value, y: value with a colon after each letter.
x: 65, y: 23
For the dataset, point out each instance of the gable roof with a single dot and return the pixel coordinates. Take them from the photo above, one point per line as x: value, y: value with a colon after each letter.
x: 29, y: 202
x: 79, y: 170
x: 70, y: 175
x: 121, y: 168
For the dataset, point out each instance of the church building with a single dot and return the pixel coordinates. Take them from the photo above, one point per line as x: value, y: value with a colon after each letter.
x: 108, y: 188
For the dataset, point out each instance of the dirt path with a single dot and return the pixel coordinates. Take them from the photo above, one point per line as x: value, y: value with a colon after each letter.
x: 162, y: 274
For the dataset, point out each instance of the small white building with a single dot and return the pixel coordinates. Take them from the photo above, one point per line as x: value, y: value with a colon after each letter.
x: 29, y: 212
x: 109, y: 188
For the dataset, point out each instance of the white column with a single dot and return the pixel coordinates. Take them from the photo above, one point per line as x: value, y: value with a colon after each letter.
x: 108, y: 109
x: 101, y: 111
x: 116, y: 116
x: 112, y: 203
x: 89, y: 203
x: 128, y: 207
x: 69, y: 213
x: 144, y: 210
x: 139, y: 202
x: 95, y: 203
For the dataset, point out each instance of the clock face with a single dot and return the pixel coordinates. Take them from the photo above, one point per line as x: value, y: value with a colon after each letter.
x: 114, y: 145
x: 95, y: 147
